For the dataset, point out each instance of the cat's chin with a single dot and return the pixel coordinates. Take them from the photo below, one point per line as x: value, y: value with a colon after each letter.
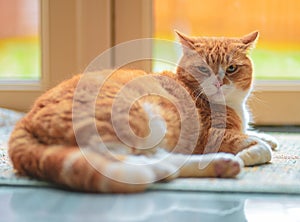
x: 217, y: 98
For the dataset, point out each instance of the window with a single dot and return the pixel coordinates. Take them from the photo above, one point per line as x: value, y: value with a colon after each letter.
x: 19, y: 40
x: 70, y: 34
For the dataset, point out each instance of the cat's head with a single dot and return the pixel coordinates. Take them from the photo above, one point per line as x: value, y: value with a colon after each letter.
x: 217, y: 68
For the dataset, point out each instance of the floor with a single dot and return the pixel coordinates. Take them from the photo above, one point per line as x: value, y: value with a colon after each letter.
x: 47, y: 204
x: 35, y: 204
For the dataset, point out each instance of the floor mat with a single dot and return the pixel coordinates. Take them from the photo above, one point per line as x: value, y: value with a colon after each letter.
x: 282, y: 175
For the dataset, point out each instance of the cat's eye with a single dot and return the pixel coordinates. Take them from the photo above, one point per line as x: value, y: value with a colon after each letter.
x: 231, y: 69
x: 203, y: 69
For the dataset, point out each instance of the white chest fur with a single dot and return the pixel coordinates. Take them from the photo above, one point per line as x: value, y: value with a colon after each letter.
x: 237, y: 102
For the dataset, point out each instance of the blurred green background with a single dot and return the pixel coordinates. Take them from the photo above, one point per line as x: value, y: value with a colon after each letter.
x: 20, y: 58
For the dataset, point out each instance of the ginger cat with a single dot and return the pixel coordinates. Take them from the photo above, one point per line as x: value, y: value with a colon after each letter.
x: 121, y: 130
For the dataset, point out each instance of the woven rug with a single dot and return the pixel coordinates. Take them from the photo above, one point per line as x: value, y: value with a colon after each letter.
x: 282, y: 175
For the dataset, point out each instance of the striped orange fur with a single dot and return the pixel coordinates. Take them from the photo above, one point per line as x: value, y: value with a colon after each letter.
x: 56, y: 140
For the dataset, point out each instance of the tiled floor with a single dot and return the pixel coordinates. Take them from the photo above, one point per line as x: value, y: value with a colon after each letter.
x: 36, y: 204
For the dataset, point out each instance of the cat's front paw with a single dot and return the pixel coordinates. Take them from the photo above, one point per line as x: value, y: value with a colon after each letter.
x: 256, y: 154
x: 272, y: 141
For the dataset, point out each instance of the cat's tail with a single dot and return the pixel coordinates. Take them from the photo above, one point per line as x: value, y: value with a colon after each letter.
x: 73, y: 167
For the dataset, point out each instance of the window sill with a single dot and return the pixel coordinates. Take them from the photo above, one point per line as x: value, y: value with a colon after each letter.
x: 277, y: 85
x: 20, y: 85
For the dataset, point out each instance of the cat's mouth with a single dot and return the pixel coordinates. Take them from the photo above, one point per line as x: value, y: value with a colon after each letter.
x: 218, y: 97
x: 213, y: 95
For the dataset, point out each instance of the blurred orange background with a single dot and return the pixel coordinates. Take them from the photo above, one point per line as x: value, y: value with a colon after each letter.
x: 277, y: 21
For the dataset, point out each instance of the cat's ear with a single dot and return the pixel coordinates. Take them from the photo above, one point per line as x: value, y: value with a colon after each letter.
x: 250, y: 40
x: 186, y: 41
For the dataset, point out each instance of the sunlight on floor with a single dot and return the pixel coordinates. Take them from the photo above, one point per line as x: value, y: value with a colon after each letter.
x: 262, y: 210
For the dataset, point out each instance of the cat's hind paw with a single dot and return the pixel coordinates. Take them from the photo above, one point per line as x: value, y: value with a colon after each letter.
x: 222, y: 165
x: 225, y: 165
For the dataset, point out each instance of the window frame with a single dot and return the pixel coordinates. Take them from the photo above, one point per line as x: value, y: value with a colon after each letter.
x: 275, y: 102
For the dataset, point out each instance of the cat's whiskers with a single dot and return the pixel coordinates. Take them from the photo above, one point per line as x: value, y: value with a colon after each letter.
x: 200, y: 95
x: 197, y: 93
x: 254, y: 98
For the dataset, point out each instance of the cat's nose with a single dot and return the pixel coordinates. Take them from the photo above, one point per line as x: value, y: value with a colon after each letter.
x: 218, y: 83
